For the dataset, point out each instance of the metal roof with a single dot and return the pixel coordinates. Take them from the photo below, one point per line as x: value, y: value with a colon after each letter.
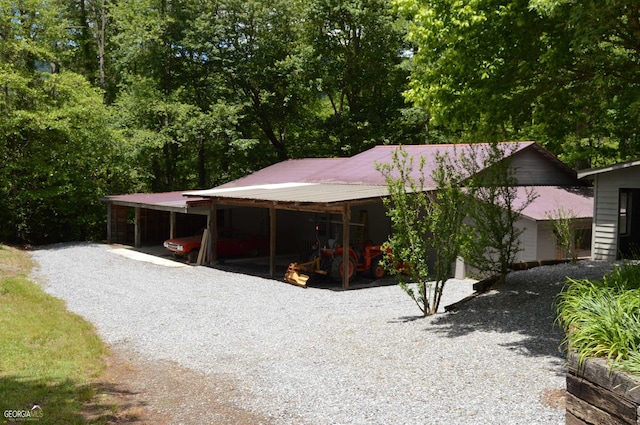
x: 576, y: 201
x: 296, y: 192
x: 167, y: 201
x: 329, y: 182
x: 361, y: 169
x: 606, y: 169
x: 343, y: 179
x: 292, y: 170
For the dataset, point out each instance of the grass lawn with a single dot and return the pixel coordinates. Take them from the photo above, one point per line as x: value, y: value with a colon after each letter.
x: 49, y: 357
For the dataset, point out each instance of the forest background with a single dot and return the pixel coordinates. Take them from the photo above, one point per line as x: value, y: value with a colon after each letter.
x: 117, y: 96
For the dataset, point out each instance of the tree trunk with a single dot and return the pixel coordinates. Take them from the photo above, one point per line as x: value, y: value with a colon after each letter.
x: 202, y: 178
x: 101, y: 44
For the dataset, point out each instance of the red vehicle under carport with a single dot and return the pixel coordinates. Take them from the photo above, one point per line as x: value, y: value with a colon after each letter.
x: 231, y: 243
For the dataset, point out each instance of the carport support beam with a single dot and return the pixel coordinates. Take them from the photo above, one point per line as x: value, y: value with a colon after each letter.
x: 137, y: 229
x: 172, y: 224
x: 272, y: 241
x: 346, y: 220
x: 212, y: 255
x: 109, y: 218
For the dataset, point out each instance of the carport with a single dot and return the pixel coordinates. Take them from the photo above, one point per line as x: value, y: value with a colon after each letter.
x: 138, y: 217
x: 304, y: 197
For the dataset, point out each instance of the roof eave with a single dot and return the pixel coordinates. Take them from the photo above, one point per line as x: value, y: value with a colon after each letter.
x: 607, y: 168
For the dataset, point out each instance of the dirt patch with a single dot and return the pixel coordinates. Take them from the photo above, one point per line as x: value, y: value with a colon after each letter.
x: 133, y: 390
x: 554, y: 398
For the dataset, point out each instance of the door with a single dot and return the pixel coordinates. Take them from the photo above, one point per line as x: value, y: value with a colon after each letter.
x: 629, y: 223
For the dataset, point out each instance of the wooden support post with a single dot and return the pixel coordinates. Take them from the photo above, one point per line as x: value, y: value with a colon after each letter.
x: 204, y: 248
x: 172, y: 224
x: 137, y: 242
x: 109, y: 218
x: 212, y: 256
x: 207, y: 249
x: 346, y: 218
x: 272, y: 241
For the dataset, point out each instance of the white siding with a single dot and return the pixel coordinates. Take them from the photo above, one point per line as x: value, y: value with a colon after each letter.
x: 528, y: 240
x: 547, y: 242
x: 534, y: 169
x: 605, y: 220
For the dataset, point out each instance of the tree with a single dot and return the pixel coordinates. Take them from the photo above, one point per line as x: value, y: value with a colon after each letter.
x: 595, y: 53
x: 356, y: 55
x: 473, y: 63
x: 561, y: 72
x: 56, y: 145
x: 171, y: 105
x: 89, y: 19
x: 496, y: 207
x: 255, y: 48
x: 423, y: 222
x: 449, y: 233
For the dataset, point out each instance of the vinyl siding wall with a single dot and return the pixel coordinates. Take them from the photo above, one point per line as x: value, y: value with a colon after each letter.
x: 534, y: 169
x: 605, y: 220
x: 547, y: 242
x: 528, y: 240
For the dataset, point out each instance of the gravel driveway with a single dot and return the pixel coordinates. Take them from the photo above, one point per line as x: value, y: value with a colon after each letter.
x: 321, y: 356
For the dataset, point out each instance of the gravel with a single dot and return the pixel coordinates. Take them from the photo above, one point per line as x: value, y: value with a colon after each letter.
x: 326, y: 356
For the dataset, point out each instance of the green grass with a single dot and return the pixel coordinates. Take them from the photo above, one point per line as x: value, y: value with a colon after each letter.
x: 48, y: 356
x: 602, y: 318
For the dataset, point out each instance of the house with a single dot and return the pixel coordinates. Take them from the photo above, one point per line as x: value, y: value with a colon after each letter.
x: 616, y: 214
x: 340, y: 199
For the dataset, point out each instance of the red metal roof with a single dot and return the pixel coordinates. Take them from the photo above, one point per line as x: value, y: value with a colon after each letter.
x: 361, y: 168
x: 574, y: 201
x: 293, y: 170
x: 167, y: 199
x: 330, y: 174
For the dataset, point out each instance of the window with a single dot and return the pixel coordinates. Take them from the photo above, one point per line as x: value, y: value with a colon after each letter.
x: 624, y: 213
x: 582, y: 239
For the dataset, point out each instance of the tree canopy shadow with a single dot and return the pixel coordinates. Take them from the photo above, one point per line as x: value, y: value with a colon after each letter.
x: 525, y: 304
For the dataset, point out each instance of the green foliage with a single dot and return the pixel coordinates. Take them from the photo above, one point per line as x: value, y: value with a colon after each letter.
x: 55, y: 145
x: 448, y: 210
x: 407, y: 207
x: 563, y: 73
x: 473, y: 62
x: 194, y: 94
x: 602, y: 318
x: 356, y: 49
x: 423, y: 222
x: 495, y: 211
x: 255, y: 47
x: 564, y: 227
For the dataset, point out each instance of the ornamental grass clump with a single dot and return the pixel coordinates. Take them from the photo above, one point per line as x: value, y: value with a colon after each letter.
x: 602, y: 318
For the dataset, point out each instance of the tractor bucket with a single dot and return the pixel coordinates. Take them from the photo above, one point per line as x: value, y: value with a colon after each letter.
x: 292, y: 276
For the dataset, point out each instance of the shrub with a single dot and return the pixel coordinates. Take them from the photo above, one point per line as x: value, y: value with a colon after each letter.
x: 602, y: 318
